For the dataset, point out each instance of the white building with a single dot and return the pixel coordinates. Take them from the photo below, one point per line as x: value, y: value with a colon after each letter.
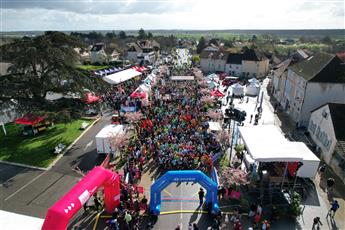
x: 143, y: 50
x: 251, y: 63
x: 279, y: 76
x: 97, y: 54
x: 327, y: 129
x: 311, y: 83
x: 212, y: 60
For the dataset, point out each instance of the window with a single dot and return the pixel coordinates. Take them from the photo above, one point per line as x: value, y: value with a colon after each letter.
x: 324, y: 114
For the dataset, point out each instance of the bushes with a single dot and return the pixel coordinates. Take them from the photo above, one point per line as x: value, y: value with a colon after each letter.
x: 295, y: 205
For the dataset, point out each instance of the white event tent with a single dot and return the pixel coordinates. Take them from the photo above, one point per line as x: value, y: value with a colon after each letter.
x: 122, y: 76
x: 237, y: 89
x: 253, y: 89
x: 265, y: 143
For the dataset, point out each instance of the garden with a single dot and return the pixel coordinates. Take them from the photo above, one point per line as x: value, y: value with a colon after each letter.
x: 36, y: 150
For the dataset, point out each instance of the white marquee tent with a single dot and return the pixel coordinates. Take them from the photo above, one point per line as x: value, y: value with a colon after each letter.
x: 253, y: 89
x: 265, y: 143
x: 122, y: 76
x: 237, y: 89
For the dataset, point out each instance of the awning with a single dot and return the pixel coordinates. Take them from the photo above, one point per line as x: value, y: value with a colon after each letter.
x: 217, y: 93
x: 29, y: 119
x: 137, y: 94
x: 265, y: 143
x: 139, y: 68
x: 122, y: 76
x: 91, y: 98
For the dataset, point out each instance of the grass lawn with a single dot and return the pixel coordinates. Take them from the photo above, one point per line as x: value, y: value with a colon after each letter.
x: 93, y: 67
x: 36, y: 150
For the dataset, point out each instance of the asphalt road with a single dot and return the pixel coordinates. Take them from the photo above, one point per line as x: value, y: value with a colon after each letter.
x: 31, y: 191
x: 177, y: 197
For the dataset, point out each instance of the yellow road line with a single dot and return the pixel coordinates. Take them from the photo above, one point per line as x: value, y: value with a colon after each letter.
x: 166, y: 191
x: 96, y: 221
x: 183, y: 211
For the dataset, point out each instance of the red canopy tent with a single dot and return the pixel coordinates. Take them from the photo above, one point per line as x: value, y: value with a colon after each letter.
x: 217, y: 93
x: 29, y: 119
x: 137, y: 94
x: 139, y: 68
x: 91, y: 98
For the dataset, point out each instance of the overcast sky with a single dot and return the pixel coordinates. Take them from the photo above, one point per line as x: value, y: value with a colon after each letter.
x: 170, y: 14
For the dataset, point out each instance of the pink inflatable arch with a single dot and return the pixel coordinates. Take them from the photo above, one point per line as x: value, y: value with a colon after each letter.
x: 63, y: 210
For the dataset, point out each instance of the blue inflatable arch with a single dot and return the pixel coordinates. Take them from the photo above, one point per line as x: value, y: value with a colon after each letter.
x: 195, y: 176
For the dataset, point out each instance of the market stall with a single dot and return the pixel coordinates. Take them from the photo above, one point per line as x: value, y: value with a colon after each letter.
x: 121, y: 76
x: 32, y: 124
x: 253, y: 89
x: 238, y: 89
x: 273, y: 147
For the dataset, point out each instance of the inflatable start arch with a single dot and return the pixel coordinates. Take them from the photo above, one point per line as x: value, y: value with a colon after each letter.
x: 184, y: 176
x: 62, y: 211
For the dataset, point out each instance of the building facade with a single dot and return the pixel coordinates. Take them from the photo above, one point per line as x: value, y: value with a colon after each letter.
x: 311, y: 83
x: 327, y: 129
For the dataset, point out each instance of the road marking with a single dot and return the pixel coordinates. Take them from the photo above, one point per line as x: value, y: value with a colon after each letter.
x: 13, y: 194
x: 166, y: 191
x: 181, y: 208
x: 88, y: 145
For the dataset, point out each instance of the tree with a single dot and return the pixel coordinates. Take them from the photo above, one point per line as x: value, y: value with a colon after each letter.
x: 119, y: 140
x: 149, y: 35
x: 196, y: 59
x: 327, y: 39
x: 254, y: 38
x: 122, y: 35
x: 42, y: 64
x: 111, y: 35
x: 142, y: 34
x: 201, y: 45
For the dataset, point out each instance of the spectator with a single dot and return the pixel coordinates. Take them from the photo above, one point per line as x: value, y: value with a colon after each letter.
x: 128, y: 218
x: 201, y: 195
x: 330, y: 184
x: 237, y: 225
x: 195, y: 226
x: 316, y: 223
x: 333, y: 209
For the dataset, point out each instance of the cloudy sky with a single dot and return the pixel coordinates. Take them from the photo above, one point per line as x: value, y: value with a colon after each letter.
x: 170, y: 14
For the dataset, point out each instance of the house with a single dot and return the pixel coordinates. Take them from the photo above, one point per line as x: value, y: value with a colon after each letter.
x: 84, y: 55
x: 327, y: 129
x: 97, y: 53
x: 143, y: 51
x: 250, y: 63
x: 279, y: 75
x: 310, y: 83
x: 213, y: 59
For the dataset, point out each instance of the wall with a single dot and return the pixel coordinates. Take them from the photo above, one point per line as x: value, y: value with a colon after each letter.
x: 132, y: 56
x: 205, y: 64
x: 322, y: 132
x: 236, y: 68
x: 212, y: 65
x: 255, y: 68
x: 318, y: 94
x: 99, y: 57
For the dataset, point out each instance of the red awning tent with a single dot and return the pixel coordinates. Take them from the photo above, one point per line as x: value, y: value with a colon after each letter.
x: 217, y: 93
x: 137, y: 94
x: 139, y: 68
x: 91, y: 98
x: 29, y: 119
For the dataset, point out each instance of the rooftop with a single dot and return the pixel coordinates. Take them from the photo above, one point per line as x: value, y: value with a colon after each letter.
x: 337, y: 112
x: 321, y: 67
